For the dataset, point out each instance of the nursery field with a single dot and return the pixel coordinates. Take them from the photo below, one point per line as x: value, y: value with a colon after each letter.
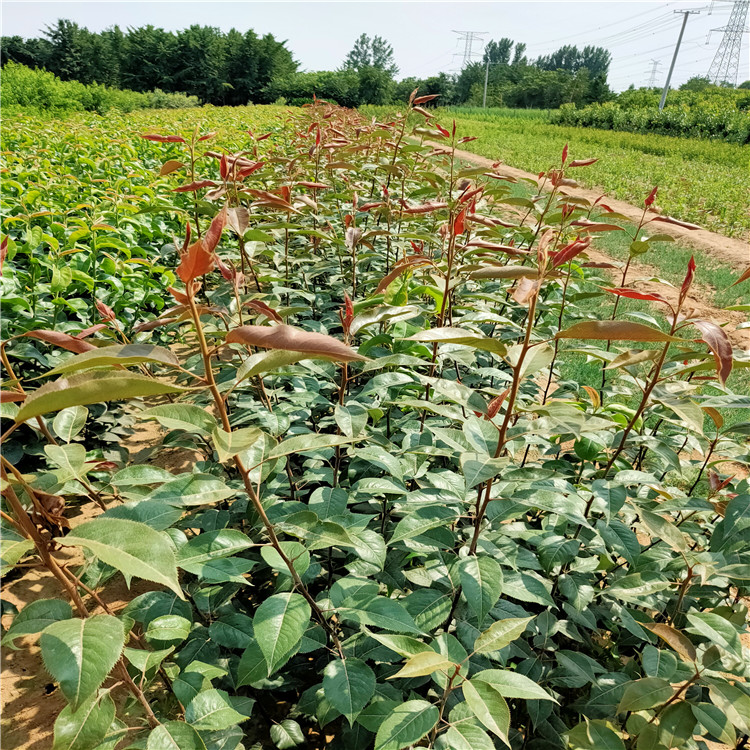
x: 315, y: 434
x: 701, y: 181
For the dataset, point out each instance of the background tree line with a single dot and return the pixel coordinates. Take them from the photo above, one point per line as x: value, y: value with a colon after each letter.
x: 236, y: 68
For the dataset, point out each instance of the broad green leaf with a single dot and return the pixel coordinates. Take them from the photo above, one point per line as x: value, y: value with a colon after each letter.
x: 295, y: 551
x: 734, y: 703
x: 466, y: 735
x: 717, y: 630
x: 80, y: 653
x: 70, y: 459
x: 420, y: 520
x: 140, y: 475
x: 715, y: 722
x: 424, y: 663
x: 168, y: 629
x: 182, y: 417
x: 676, y: 724
x: 12, y: 548
x: 157, y: 515
x: 647, y: 692
x: 287, y: 734
x: 233, y: 630
x: 478, y: 468
x: 144, y: 660
x: 229, y: 444
x: 174, y: 735
x: 460, y: 336
x: 121, y: 355
x: 310, y: 441
x: 513, y: 684
x: 91, y: 388
x: 252, y: 666
x: 35, y: 617
x: 211, y: 545
x: 666, y: 531
x: 192, y: 489
x: 279, y: 624
x: 481, y: 582
x: 348, y: 685
x: 403, y: 645
x: 69, y: 422
x: 594, y: 735
x: 135, y: 549
x: 351, y: 418
x: 614, y: 330
x: 488, y: 706
x: 406, y: 725
x: 85, y: 728
x: 267, y: 361
x: 212, y: 710
x: 382, y: 613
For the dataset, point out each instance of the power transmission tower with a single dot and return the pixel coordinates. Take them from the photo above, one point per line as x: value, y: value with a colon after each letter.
x: 652, y: 79
x: 685, y: 14
x: 726, y: 62
x: 468, y: 38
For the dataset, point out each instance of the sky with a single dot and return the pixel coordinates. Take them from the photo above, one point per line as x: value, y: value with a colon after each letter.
x: 422, y: 34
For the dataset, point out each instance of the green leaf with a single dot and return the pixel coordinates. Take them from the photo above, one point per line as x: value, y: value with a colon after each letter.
x: 279, y: 624
x: 287, y: 734
x: 192, y: 489
x: 310, y: 441
x: 79, y: 654
x: 614, y: 330
x: 69, y: 422
x: 645, y: 693
x: 139, y: 475
x: 421, y: 520
x: 594, y: 735
x: 212, y: 710
x: 488, y: 706
x: 734, y: 703
x: 481, y: 581
x: 35, y: 617
x: 348, y: 684
x: 233, y: 630
x: 478, y: 468
x: 144, y: 660
x: 262, y: 362
x: 91, y: 388
x: 715, y: 722
x: 351, y: 419
x: 676, y: 724
x: 70, y: 459
x: 135, y: 549
x: 182, y: 417
x: 85, y: 728
x: 12, y: 548
x: 422, y: 664
x: 295, y: 551
x: 382, y: 613
x: 211, y: 545
x: 460, y: 336
x: 118, y: 354
x: 168, y: 629
x: 717, y: 630
x: 466, y: 735
x: 406, y: 725
x: 174, y: 735
x: 229, y: 444
x: 252, y: 667
x: 513, y: 684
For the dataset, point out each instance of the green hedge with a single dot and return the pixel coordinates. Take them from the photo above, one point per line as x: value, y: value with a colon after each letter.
x: 38, y: 89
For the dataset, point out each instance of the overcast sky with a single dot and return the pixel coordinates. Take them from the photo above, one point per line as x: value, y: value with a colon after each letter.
x: 320, y: 34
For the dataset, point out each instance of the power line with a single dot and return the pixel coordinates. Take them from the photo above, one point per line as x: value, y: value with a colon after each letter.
x: 685, y: 15
x: 726, y: 62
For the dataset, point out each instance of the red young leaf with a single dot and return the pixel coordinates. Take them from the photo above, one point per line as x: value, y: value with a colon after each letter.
x: 291, y: 339
x: 4, y: 252
x: 593, y: 226
x: 213, y: 235
x: 63, y: 340
x: 744, y: 277
x: 208, y: 135
x: 181, y: 297
x: 494, y: 406
x: 226, y: 270
x: 8, y: 396
x: 688, y: 279
x: 264, y: 309
x: 170, y: 166
x: 193, y: 186
x: 86, y: 332
x: 425, y: 98
x: 582, y: 162
x: 565, y: 153
x: 718, y: 343
x: 224, y: 167
x: 105, y: 310
x: 197, y: 261
x: 163, y: 138
x: 459, y: 223
x: 570, y: 251
x: 442, y: 130
x: 676, y: 222
x: 411, y: 261
x: 651, y: 197
x: 633, y: 294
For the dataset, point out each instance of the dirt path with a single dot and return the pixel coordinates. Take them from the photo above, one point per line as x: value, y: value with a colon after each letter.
x: 732, y: 251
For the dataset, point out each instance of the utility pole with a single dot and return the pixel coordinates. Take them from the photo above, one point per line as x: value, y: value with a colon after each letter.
x: 468, y: 38
x: 726, y: 62
x: 652, y: 79
x: 486, y: 77
x: 685, y: 14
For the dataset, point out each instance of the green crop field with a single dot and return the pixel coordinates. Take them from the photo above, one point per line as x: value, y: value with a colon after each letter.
x: 701, y: 181
x: 418, y: 474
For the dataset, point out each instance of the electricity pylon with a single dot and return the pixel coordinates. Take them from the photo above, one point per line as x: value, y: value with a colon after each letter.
x: 468, y: 38
x: 726, y: 62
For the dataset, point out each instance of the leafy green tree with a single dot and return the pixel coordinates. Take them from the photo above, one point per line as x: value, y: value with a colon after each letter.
x: 498, y: 53
x: 200, y: 63
x: 147, y: 59
x: 371, y: 52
